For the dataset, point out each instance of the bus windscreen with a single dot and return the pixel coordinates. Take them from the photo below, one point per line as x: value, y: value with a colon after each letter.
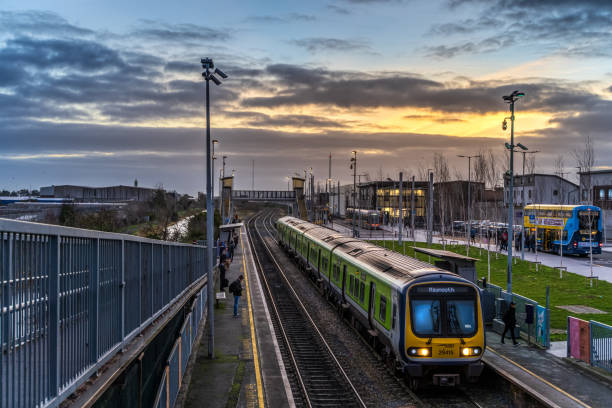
x: 585, y: 218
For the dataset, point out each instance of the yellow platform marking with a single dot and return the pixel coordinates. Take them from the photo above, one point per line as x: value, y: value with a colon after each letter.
x: 253, y: 338
x: 539, y: 378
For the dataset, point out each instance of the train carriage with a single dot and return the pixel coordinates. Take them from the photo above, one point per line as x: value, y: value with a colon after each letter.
x: 425, y: 320
x: 367, y: 219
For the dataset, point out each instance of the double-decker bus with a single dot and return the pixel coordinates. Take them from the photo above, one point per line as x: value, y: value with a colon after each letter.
x: 566, y: 226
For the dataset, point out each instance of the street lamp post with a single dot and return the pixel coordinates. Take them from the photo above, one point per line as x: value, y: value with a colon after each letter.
x: 354, y: 168
x: 524, y: 152
x: 511, y: 99
x: 469, y: 203
x: 208, y: 65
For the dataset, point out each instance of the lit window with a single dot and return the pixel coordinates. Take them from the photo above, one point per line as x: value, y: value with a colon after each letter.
x: 610, y: 194
x: 602, y: 193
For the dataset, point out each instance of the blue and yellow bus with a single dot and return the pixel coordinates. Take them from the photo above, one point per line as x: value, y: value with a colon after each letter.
x: 564, y: 225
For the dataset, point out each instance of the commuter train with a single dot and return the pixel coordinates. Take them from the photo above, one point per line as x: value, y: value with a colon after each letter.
x: 425, y: 321
x: 367, y: 219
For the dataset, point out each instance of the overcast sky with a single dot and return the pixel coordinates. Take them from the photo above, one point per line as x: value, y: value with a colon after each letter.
x: 105, y: 92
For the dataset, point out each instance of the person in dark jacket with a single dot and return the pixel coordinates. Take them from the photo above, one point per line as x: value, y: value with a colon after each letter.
x: 236, y: 289
x: 510, y: 322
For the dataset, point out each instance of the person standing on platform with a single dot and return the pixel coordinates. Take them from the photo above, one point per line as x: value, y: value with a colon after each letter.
x: 236, y: 289
x: 510, y: 323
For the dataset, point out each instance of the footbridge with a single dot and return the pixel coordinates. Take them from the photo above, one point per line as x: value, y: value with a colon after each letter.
x: 265, y: 195
x: 91, y: 316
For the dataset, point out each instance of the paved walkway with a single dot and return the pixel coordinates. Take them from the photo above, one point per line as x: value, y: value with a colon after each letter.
x: 553, y: 378
x: 229, y: 379
x: 245, y: 371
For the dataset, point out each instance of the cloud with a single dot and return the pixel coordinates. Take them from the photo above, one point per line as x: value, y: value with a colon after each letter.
x: 491, y: 44
x: 39, y: 22
x: 179, y: 33
x: 316, y: 44
x: 76, y: 54
x: 306, y: 121
x: 300, y: 86
x: 338, y: 9
x: 574, y: 28
x: 280, y: 19
x: 432, y: 118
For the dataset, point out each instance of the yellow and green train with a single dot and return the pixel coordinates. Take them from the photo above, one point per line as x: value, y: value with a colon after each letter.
x: 424, y: 320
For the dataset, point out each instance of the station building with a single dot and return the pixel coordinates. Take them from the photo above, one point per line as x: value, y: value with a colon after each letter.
x: 97, y: 194
x: 596, y: 187
x: 541, y: 188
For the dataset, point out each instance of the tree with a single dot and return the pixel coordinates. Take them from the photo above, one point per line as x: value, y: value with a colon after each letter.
x: 560, y: 171
x: 163, y: 211
x: 442, y: 177
x: 585, y: 160
x: 67, y: 216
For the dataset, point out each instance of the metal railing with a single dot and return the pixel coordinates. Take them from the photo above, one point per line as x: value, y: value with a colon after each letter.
x: 263, y: 195
x: 70, y: 299
x: 601, y: 345
x: 176, y: 364
x: 539, y: 331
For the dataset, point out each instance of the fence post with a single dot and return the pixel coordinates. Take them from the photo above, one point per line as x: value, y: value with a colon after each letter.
x: 122, y: 291
x: 569, y: 338
x: 54, y: 314
x: 547, y: 317
x: 94, y: 293
x: 591, y: 348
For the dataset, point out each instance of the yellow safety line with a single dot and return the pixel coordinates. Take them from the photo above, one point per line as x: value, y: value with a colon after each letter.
x: 253, y: 339
x: 539, y: 378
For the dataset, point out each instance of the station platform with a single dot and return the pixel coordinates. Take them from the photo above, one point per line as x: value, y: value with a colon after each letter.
x: 553, y: 381
x: 247, y: 370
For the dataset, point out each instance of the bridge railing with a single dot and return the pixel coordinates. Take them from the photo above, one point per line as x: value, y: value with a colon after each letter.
x: 70, y: 299
x: 263, y: 195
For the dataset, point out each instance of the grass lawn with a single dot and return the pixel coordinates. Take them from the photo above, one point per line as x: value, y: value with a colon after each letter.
x: 571, y: 290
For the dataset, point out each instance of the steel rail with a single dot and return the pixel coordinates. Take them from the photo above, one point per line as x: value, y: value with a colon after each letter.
x: 307, y: 315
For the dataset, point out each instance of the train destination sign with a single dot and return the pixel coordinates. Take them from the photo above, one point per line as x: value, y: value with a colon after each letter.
x: 442, y: 290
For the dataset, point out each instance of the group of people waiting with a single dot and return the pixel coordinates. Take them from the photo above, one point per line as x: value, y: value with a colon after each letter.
x: 530, y: 241
x: 226, y: 257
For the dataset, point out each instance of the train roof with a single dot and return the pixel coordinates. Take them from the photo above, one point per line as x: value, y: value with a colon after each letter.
x: 391, y: 265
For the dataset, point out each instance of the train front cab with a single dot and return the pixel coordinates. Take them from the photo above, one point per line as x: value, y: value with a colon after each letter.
x: 444, y: 336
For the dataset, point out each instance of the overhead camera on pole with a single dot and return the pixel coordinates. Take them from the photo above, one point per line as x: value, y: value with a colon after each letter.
x: 511, y: 99
x: 208, y: 65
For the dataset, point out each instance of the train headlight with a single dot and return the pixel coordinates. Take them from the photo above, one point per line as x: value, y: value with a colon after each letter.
x: 470, y: 351
x: 419, y: 351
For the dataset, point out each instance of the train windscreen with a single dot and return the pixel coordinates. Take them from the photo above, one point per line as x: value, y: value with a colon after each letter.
x: 443, y: 310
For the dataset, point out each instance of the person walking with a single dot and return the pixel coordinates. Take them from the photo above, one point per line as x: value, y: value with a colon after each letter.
x: 510, y: 323
x: 236, y: 289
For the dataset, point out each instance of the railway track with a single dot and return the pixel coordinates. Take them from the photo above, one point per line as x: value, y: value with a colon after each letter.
x: 316, y: 376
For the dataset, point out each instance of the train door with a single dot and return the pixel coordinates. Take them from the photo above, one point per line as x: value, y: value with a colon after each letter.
x: 371, y: 299
x: 319, y: 263
x: 343, y: 282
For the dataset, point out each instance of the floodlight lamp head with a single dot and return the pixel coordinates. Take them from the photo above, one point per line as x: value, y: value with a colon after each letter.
x: 508, y: 146
x: 504, y: 125
x: 220, y: 73
x: 214, y: 79
x: 522, y: 146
